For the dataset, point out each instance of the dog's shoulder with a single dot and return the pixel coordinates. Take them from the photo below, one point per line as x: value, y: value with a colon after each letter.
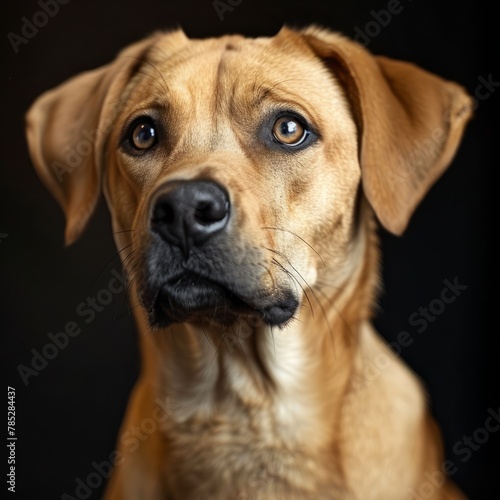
x: 383, y: 417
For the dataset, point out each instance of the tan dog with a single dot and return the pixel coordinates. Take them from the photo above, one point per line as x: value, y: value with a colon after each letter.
x: 242, y: 176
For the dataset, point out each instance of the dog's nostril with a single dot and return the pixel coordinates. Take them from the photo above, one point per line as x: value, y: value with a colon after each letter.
x: 208, y: 212
x: 164, y: 213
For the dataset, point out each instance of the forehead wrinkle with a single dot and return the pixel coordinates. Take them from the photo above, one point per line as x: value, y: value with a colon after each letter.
x: 209, y: 103
x: 146, y: 77
x: 219, y: 101
x: 268, y: 77
x: 149, y: 104
x: 286, y: 97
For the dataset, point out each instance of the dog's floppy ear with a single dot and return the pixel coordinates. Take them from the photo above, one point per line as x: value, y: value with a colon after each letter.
x: 410, y: 123
x: 67, y: 128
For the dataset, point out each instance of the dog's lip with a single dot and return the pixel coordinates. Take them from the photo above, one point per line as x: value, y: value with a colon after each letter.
x: 197, y: 283
x: 193, y: 277
x: 190, y: 293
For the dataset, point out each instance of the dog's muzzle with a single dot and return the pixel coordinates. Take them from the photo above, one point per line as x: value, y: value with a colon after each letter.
x: 197, y: 268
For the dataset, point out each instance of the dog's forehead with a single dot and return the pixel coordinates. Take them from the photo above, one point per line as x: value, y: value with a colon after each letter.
x: 238, y: 67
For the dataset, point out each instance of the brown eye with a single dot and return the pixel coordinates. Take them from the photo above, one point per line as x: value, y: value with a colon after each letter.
x: 143, y: 134
x: 289, y: 131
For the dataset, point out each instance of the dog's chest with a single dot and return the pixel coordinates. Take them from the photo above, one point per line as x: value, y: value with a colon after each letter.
x: 243, y: 447
x: 232, y: 436
x: 244, y: 456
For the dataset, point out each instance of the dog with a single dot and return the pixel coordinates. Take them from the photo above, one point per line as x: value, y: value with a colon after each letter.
x: 246, y: 179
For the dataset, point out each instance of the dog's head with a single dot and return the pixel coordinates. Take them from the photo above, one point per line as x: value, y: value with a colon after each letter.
x: 233, y: 166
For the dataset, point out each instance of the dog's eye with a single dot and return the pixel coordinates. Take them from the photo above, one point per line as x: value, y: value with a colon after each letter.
x: 290, y: 131
x: 143, y: 134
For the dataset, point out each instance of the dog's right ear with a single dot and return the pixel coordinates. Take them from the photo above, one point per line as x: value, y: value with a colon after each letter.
x: 67, y: 128
x: 410, y: 122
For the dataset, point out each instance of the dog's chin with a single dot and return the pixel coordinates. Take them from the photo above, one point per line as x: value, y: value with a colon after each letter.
x: 191, y: 298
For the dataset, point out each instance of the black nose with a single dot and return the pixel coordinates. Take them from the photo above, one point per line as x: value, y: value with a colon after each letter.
x: 187, y: 213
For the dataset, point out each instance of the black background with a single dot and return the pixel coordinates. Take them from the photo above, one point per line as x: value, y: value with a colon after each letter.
x: 68, y: 415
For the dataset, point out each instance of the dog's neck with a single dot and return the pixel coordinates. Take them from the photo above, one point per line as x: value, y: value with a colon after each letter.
x: 297, y: 374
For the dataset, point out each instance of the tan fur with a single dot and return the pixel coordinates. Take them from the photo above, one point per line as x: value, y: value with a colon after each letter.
x: 255, y: 411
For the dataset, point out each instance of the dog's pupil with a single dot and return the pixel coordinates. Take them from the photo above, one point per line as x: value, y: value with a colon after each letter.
x: 289, y: 128
x: 144, y: 135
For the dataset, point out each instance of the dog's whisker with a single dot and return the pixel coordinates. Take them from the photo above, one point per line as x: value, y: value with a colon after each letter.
x: 128, y: 292
x: 151, y: 65
x: 274, y: 343
x: 268, y: 272
x: 339, y: 314
x: 297, y: 236
x: 129, y: 258
x: 117, y: 254
x: 207, y: 337
x: 148, y: 330
x: 281, y: 254
x: 107, y: 235
x: 123, y: 300
x: 320, y: 304
x: 123, y: 231
x: 278, y: 264
x: 172, y: 335
x: 235, y: 333
x: 222, y: 340
x: 133, y: 307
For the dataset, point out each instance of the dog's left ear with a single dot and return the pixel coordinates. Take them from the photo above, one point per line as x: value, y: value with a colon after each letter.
x: 67, y: 128
x: 410, y: 123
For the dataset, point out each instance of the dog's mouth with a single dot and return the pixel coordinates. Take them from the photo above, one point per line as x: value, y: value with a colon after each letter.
x: 198, y: 267
x: 189, y: 296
